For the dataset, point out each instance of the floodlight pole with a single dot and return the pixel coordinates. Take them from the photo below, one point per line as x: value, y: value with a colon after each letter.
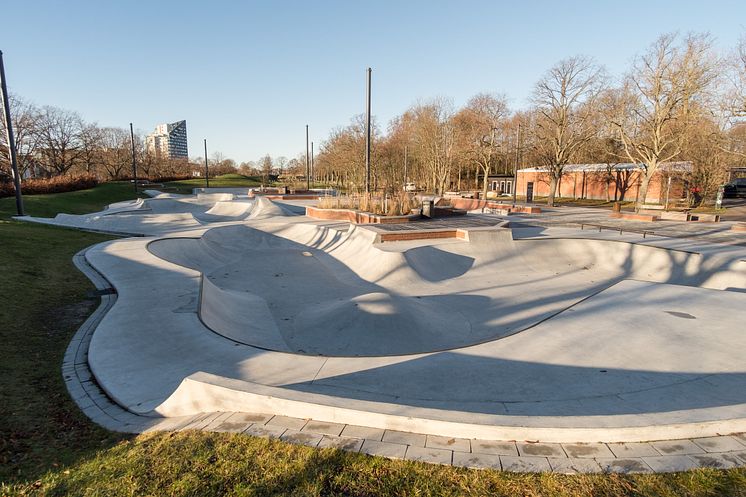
x: 517, y: 160
x: 11, y: 138
x: 134, y: 163
x: 367, y: 135
x: 313, y: 173
x: 207, y: 167
x: 308, y: 165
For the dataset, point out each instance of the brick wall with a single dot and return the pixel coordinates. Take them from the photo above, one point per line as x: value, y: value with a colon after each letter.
x: 593, y: 185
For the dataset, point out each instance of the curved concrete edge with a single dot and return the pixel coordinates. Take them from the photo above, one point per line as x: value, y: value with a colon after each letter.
x: 207, y: 392
x: 720, y: 452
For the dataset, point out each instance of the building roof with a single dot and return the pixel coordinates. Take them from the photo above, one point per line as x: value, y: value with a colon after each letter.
x: 680, y: 167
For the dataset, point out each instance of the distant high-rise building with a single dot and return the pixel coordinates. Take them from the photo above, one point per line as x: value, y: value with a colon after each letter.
x: 168, y: 141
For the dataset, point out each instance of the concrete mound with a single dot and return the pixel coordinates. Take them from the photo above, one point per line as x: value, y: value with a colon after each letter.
x: 230, y: 210
x: 266, y: 209
x: 367, y: 325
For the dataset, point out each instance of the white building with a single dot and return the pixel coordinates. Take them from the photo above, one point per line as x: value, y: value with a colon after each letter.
x: 168, y: 141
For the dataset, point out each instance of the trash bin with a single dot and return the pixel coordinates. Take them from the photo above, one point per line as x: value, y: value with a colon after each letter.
x: 428, y: 208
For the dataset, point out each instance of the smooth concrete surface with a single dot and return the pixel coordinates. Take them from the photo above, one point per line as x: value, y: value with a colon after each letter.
x: 550, y: 334
x: 162, y: 213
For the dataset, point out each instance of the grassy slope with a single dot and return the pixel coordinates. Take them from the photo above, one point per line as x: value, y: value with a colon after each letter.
x: 95, y: 199
x: 48, y: 447
x: 225, y: 181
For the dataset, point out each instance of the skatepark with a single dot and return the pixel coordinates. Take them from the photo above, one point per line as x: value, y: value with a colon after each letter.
x: 510, y: 331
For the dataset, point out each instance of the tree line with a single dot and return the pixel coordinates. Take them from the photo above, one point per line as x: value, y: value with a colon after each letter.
x: 679, y: 101
x: 51, y: 141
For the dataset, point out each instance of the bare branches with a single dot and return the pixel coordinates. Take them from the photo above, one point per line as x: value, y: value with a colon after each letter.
x: 663, y: 94
x: 565, y: 100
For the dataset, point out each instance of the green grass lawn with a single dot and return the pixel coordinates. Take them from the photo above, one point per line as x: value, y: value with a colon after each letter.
x: 225, y: 181
x: 95, y: 199
x: 47, y: 447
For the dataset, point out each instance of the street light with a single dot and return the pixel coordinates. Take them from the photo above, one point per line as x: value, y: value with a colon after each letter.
x: 517, y: 160
x: 207, y: 167
x: 11, y: 139
x: 134, y: 164
x: 367, y: 136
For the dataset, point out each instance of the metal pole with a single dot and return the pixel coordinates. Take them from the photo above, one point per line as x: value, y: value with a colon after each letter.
x: 134, y: 163
x: 308, y: 164
x: 207, y: 167
x: 11, y: 139
x: 367, y: 136
x: 517, y: 160
x: 313, y: 173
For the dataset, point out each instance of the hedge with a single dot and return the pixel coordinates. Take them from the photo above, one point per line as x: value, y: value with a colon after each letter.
x: 57, y: 184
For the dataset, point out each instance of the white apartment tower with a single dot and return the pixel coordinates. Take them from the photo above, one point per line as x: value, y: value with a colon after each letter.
x: 168, y: 141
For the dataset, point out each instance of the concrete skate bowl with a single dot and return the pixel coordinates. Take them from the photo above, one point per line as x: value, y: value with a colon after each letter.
x: 311, y: 290
x: 165, y: 213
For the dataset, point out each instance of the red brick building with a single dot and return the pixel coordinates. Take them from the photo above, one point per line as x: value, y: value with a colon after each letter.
x: 613, y: 182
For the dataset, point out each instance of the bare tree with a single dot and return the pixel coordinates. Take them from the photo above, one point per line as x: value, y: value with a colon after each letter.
x: 663, y: 90
x: 266, y: 168
x: 59, y: 139
x: 565, y: 99
x: 25, y: 116
x: 479, y: 125
x: 91, y: 142
x: 435, y: 138
x: 115, y: 150
x: 736, y: 93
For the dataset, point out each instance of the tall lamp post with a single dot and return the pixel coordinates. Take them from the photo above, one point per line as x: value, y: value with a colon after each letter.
x: 11, y: 138
x: 313, y: 172
x: 308, y: 164
x: 134, y: 163
x: 517, y: 160
x: 207, y: 168
x: 367, y: 135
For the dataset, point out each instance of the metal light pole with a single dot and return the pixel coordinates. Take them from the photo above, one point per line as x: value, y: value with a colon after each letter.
x: 517, y: 159
x: 11, y: 139
x: 134, y: 163
x: 308, y: 165
x: 207, y: 167
x: 367, y: 136
x: 313, y: 173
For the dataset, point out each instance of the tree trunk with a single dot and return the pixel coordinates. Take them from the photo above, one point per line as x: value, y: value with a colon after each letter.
x: 642, y: 192
x: 552, y: 189
x: 484, y: 186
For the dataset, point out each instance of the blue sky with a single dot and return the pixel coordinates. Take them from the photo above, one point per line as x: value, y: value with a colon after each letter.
x: 249, y: 75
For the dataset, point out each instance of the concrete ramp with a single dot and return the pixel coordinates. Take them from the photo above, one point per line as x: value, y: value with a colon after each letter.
x: 240, y: 316
x: 266, y: 209
x: 215, y: 197
x: 223, y: 211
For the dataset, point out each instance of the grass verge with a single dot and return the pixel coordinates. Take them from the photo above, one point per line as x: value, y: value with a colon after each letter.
x: 47, y: 447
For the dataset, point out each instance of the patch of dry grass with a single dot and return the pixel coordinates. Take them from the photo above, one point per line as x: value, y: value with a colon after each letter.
x: 398, y: 204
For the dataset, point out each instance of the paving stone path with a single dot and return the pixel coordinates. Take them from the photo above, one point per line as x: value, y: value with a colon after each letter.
x: 516, y: 456
x: 597, y: 218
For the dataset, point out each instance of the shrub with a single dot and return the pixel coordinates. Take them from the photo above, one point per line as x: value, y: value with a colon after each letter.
x: 398, y: 204
x: 56, y: 184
